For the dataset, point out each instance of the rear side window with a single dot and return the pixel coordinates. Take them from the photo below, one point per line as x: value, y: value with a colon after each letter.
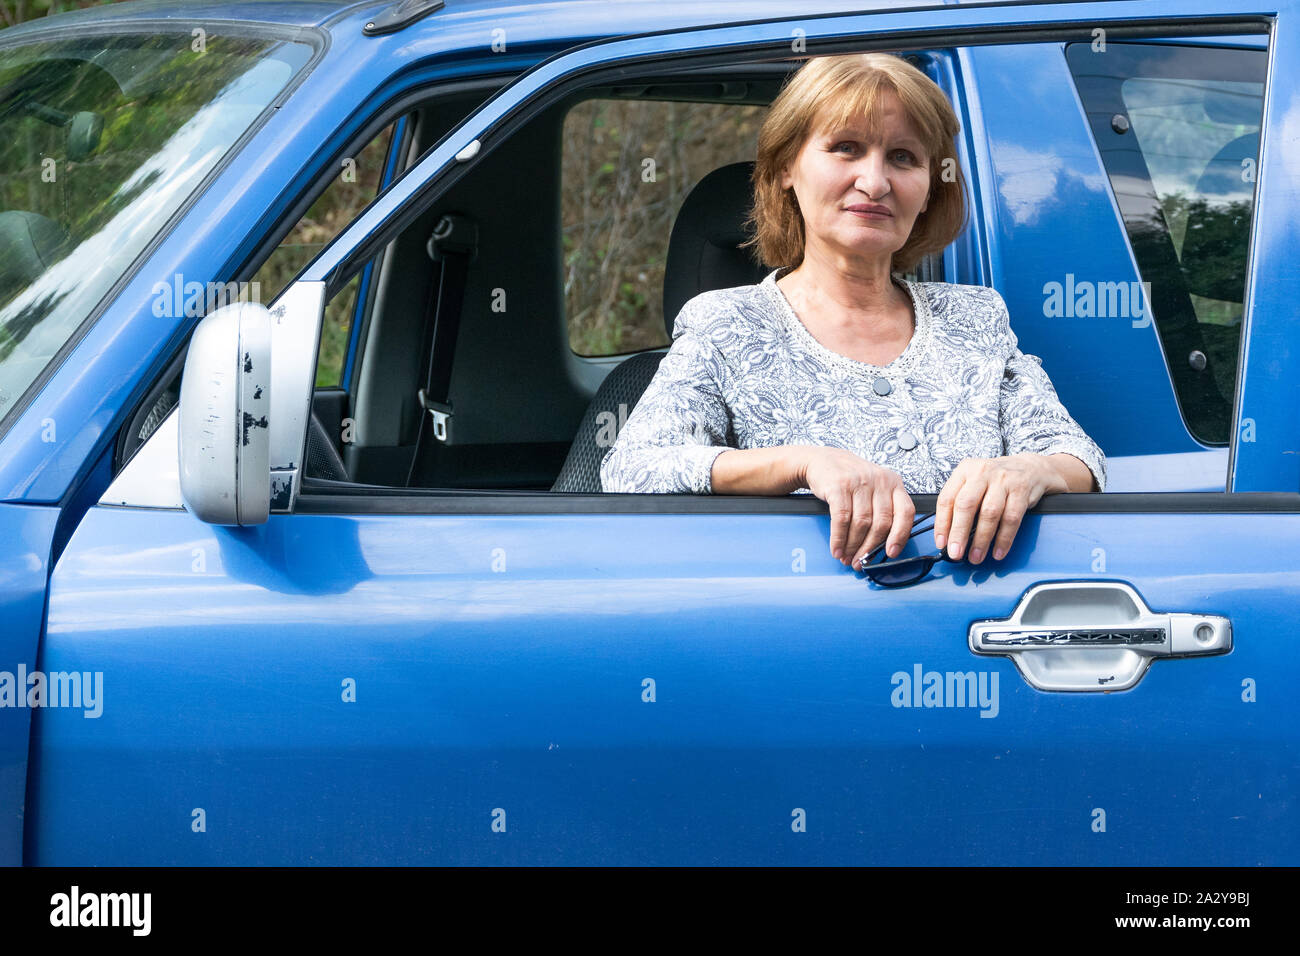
x: 628, y: 167
x: 1177, y: 128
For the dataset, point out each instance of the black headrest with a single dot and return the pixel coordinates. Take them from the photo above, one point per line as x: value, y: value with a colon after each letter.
x: 702, y: 251
x: 1218, y: 230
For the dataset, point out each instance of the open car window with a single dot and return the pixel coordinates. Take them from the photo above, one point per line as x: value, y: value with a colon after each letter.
x: 568, y: 277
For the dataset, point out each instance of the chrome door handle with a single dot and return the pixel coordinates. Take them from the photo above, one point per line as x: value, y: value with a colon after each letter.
x: 1094, y: 636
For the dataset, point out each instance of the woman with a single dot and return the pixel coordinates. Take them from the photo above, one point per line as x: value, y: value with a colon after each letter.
x: 835, y: 377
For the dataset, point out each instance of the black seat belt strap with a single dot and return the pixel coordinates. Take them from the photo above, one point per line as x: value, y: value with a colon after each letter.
x: 452, y: 244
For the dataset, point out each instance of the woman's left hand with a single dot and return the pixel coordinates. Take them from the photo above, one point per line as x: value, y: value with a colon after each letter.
x: 997, y: 490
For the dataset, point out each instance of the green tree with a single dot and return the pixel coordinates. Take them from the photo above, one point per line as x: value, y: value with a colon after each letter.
x: 14, y: 12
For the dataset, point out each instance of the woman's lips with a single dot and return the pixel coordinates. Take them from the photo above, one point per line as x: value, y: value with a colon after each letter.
x: 871, y: 212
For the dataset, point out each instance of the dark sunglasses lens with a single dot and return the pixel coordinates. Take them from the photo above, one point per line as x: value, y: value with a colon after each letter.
x: 903, y: 573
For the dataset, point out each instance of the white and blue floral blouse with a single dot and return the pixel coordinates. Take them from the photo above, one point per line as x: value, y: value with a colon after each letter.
x: 744, y: 372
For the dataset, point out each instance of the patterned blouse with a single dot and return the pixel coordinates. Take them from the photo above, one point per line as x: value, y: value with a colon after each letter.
x: 744, y: 372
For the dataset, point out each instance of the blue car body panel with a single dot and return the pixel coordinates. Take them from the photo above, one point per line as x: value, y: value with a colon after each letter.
x: 499, y: 661
x: 26, y: 537
x: 499, y: 664
x: 1040, y: 170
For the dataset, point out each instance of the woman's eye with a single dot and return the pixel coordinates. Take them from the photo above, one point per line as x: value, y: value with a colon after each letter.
x: 906, y: 156
x: 850, y: 144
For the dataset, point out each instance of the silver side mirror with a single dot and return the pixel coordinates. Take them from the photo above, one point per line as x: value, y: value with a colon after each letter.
x: 192, y: 458
x: 224, y: 429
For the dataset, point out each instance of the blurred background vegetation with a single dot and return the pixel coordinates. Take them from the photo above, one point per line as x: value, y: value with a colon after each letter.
x: 628, y: 165
x: 14, y: 12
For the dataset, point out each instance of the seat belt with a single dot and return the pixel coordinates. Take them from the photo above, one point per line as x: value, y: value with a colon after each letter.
x: 453, y: 244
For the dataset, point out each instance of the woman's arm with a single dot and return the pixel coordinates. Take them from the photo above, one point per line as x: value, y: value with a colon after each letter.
x: 679, y: 425
x: 1076, y: 475
x: 759, y: 471
x: 1033, y: 419
x: 982, y: 503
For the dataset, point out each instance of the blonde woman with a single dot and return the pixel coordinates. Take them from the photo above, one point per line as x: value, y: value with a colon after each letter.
x: 836, y: 377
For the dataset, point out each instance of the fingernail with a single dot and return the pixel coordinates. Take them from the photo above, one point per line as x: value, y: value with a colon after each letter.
x: 1000, y: 553
x: 976, y: 555
x: 892, y: 550
x: 939, y: 539
x: 837, y: 555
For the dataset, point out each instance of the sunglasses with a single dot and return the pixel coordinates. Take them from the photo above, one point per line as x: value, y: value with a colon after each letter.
x: 900, y: 572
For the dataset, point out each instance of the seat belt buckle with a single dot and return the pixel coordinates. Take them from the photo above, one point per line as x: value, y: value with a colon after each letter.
x: 441, y: 412
x: 455, y: 234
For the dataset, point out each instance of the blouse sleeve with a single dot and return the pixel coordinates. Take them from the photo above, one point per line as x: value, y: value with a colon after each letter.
x: 679, y: 426
x: 1032, y: 416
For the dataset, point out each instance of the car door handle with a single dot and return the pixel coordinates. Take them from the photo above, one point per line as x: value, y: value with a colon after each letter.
x: 1094, y: 636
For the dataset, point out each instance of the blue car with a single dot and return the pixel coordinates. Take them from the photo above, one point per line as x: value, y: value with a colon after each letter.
x: 317, y: 319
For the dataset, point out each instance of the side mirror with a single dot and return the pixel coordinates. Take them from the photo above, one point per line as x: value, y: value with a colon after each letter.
x: 224, y: 433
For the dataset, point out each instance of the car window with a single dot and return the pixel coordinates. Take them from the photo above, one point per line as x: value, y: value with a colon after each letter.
x: 575, y: 251
x: 357, y: 181
x: 1178, y: 128
x: 354, y: 185
x: 102, y: 140
x: 619, y: 167
x: 628, y: 165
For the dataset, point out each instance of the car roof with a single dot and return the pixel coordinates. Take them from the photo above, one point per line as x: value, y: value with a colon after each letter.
x: 589, y: 18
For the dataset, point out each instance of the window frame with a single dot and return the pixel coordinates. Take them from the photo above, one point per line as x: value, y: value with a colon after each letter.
x: 433, y: 177
x: 397, y: 109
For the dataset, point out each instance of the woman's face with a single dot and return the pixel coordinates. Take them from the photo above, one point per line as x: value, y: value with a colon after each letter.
x: 860, y: 196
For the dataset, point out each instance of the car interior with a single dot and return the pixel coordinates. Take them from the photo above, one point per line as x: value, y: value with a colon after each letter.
x: 524, y: 408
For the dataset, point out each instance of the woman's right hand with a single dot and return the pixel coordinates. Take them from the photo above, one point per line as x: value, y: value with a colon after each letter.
x: 868, y: 503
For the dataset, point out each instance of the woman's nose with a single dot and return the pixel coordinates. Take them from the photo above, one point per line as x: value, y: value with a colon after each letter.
x: 872, y: 179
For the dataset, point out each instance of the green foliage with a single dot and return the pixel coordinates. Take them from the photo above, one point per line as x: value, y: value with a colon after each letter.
x: 618, y: 211
x: 14, y: 12
x: 343, y: 199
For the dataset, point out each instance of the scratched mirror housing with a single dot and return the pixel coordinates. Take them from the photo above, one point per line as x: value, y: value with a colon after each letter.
x: 225, y: 403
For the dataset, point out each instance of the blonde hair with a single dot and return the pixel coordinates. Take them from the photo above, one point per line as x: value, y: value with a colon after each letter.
x: 847, y: 87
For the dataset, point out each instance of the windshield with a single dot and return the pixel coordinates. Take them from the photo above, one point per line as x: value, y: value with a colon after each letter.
x: 102, y: 139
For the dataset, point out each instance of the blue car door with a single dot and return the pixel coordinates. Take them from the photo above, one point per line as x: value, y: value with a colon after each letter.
x: 383, y: 676
x: 27, y: 533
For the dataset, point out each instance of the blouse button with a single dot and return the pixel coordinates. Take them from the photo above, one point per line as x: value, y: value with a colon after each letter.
x: 882, y: 386
x: 906, y: 440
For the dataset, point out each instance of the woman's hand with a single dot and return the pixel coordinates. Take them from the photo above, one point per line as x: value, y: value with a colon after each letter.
x: 866, y: 501
x: 999, y: 491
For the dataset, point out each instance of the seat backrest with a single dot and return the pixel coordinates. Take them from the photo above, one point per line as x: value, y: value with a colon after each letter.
x: 703, y: 254
x: 704, y: 249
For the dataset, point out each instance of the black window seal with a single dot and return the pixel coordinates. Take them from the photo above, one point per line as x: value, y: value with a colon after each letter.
x: 362, y: 500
